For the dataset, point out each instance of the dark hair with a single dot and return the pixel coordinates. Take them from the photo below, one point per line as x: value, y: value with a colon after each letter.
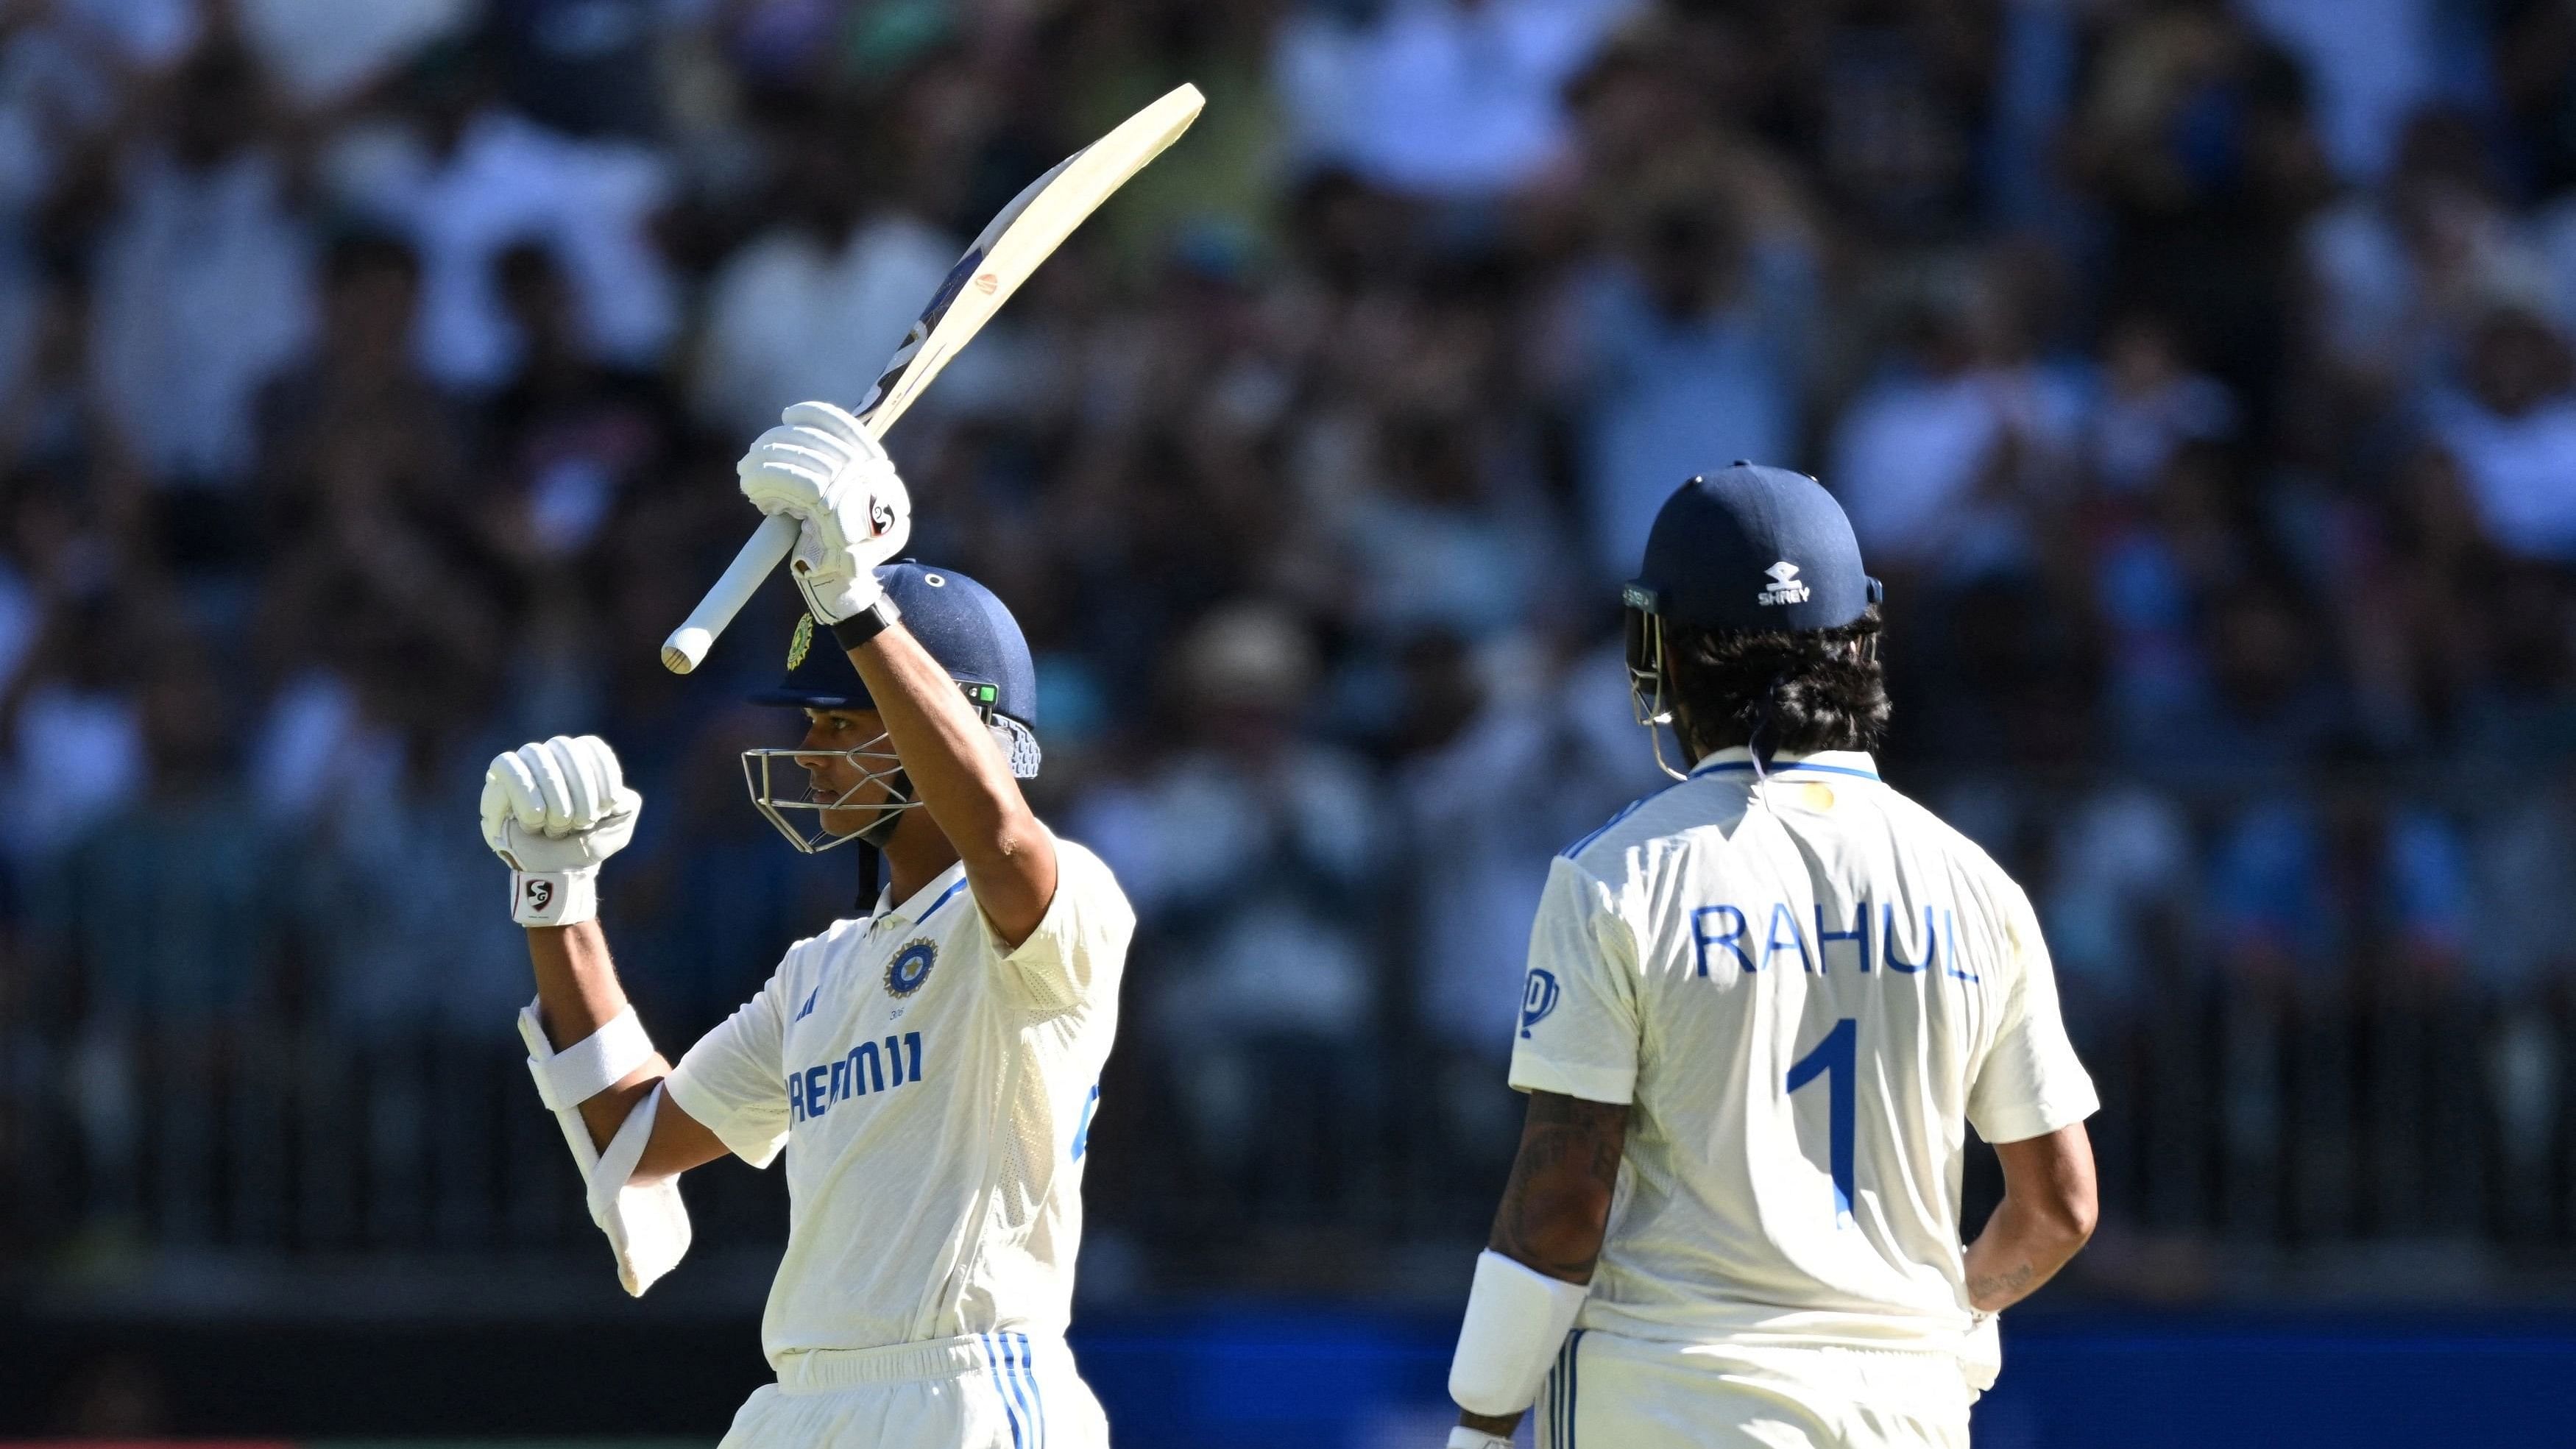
x: 1805, y: 690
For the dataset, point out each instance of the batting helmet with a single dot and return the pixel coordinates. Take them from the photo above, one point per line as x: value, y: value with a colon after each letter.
x: 965, y: 627
x: 1746, y: 547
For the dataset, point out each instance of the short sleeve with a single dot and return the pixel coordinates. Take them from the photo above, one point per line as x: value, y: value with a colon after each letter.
x: 2030, y: 1083
x: 734, y: 1079
x: 1578, y: 1024
x: 1079, y: 948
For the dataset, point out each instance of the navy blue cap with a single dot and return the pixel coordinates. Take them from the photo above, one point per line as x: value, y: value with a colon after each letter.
x: 963, y: 625
x: 1749, y: 547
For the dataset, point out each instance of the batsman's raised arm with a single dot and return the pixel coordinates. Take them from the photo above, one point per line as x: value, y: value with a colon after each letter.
x: 822, y: 467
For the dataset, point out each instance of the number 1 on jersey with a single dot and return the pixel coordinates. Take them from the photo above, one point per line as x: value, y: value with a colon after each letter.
x: 1835, y: 1058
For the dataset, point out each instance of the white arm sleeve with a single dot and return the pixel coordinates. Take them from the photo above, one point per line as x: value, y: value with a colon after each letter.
x: 2030, y: 1083
x: 1578, y: 1023
x: 1079, y: 948
x: 646, y: 1222
x: 733, y: 1081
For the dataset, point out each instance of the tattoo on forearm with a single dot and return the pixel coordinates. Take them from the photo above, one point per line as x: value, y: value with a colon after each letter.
x: 1569, y: 1158
x: 2012, y: 1282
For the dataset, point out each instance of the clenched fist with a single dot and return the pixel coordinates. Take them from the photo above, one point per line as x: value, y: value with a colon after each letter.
x: 821, y: 468
x: 553, y: 811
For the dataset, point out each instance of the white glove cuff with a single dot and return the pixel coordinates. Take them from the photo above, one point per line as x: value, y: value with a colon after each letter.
x: 590, y: 1066
x: 554, y: 897
x: 1516, y: 1318
x: 830, y: 603
x: 1463, y: 1437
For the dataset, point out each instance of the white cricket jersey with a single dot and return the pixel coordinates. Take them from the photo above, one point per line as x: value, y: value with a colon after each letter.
x: 1805, y: 989
x: 933, y: 1093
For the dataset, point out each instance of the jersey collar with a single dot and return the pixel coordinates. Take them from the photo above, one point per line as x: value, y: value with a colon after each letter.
x: 925, y: 902
x: 1737, y: 758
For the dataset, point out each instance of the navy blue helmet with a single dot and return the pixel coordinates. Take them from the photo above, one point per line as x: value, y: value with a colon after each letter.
x: 963, y: 625
x: 1744, y: 548
x: 1749, y: 547
x: 974, y: 638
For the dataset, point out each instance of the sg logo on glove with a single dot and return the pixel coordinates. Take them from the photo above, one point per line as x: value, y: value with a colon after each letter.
x: 541, y: 896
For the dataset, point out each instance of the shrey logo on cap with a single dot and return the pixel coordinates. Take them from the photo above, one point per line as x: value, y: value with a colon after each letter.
x: 800, y: 643
x: 1784, y: 587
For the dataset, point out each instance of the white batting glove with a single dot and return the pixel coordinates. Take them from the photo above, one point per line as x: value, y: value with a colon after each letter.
x: 553, y: 812
x: 821, y: 468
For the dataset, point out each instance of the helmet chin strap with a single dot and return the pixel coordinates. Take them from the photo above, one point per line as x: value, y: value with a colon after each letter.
x: 880, y: 830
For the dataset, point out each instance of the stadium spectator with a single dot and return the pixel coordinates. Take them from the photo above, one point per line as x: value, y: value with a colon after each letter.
x: 463, y: 177
x: 812, y: 304
x: 204, y: 290
x: 1258, y: 860
x: 2512, y: 434
x: 1686, y: 350
x: 1457, y: 99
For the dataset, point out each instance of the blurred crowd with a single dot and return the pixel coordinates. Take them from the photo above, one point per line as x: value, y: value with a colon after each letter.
x: 2196, y: 372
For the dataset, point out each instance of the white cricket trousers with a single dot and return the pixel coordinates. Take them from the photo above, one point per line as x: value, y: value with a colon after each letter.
x: 981, y: 1391
x: 1607, y: 1391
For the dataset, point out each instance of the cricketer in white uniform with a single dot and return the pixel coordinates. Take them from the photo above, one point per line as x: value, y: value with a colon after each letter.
x: 1762, y: 1009
x: 929, y: 1070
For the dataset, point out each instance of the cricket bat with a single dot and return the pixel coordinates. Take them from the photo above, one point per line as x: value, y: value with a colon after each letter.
x: 1025, y: 233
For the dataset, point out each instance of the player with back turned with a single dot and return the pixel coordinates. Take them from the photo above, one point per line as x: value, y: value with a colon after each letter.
x: 928, y: 1069
x: 1763, y: 1007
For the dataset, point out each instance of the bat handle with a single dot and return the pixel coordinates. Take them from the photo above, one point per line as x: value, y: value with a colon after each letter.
x: 769, y: 544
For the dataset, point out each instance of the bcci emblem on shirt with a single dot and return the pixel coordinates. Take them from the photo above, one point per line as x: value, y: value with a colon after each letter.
x: 910, y: 967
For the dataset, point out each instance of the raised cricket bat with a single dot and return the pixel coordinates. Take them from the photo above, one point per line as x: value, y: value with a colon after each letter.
x: 1026, y: 233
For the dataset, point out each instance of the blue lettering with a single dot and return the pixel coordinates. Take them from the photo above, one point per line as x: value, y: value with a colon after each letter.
x: 1931, y: 942
x: 1771, y: 943
x: 1081, y: 1134
x: 1950, y: 924
x: 1701, y: 940
x: 1859, y: 932
x: 855, y: 1075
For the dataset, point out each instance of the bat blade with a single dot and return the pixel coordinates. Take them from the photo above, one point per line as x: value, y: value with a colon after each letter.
x: 1022, y: 235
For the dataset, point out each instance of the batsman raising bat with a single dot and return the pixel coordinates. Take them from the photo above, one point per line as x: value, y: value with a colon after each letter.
x: 929, y: 1069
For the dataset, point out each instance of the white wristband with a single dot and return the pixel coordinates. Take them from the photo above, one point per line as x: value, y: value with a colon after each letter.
x: 590, y: 1066
x: 1463, y: 1437
x: 1516, y: 1318
x: 554, y: 897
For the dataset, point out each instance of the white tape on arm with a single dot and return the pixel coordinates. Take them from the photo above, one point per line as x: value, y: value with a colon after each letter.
x: 1516, y: 1318
x: 646, y: 1223
x: 590, y: 1066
